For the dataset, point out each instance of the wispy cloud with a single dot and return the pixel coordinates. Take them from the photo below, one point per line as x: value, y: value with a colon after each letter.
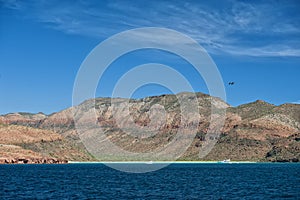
x: 296, y: 102
x: 264, y: 29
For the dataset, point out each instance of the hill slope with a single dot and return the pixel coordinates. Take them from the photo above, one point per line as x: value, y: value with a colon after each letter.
x: 256, y: 131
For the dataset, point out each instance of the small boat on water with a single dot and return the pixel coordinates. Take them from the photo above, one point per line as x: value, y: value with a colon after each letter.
x: 225, y: 161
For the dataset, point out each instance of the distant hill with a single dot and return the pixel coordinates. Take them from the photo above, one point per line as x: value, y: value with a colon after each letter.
x: 256, y: 131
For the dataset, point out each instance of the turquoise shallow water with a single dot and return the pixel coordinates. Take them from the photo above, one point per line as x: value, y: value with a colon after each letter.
x: 179, y: 181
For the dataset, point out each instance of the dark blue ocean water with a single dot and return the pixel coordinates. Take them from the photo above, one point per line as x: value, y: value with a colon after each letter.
x: 180, y: 181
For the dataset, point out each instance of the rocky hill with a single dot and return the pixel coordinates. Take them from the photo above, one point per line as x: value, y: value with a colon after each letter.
x: 257, y: 131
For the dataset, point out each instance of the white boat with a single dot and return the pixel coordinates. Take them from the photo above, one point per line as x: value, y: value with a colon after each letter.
x: 225, y: 161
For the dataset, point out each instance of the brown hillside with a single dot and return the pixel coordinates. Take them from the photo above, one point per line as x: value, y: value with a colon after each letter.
x: 257, y: 131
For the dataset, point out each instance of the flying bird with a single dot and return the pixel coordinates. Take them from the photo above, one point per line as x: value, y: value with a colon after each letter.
x: 231, y: 83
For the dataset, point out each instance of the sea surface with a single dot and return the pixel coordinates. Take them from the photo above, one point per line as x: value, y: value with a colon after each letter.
x: 177, y: 181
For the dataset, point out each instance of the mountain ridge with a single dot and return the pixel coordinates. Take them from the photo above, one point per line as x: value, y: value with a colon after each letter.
x: 256, y: 131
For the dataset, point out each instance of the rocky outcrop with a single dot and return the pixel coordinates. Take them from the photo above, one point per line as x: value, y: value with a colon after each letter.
x: 32, y: 161
x: 34, y: 145
x: 13, y: 154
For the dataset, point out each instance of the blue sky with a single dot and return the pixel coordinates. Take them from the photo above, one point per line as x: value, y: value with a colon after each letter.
x: 256, y: 44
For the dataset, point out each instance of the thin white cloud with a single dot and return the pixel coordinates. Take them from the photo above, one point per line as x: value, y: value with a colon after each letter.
x: 265, y: 29
x: 296, y: 102
x: 265, y: 51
